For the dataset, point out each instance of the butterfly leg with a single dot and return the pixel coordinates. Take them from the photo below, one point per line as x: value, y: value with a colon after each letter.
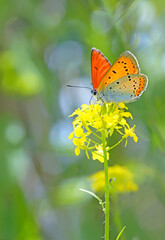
x: 117, y: 105
x: 90, y: 99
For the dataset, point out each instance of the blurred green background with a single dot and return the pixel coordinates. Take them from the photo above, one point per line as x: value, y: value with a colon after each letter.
x: 44, y: 45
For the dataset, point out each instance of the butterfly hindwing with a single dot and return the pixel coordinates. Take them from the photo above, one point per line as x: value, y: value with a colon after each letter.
x: 126, y: 64
x: 125, y: 89
x: 99, y: 65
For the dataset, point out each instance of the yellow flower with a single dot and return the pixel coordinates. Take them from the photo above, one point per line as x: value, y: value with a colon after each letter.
x: 129, y: 132
x: 92, y: 120
x: 98, y: 154
x: 78, y: 131
x: 79, y: 142
x: 120, y: 178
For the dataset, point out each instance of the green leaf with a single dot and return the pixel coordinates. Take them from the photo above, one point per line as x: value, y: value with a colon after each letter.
x: 120, y: 233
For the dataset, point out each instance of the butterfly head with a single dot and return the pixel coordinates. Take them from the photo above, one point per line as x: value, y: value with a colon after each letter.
x: 94, y: 92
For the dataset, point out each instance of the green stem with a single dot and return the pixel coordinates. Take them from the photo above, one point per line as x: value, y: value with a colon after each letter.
x: 106, y: 237
x: 89, y: 130
x: 92, y: 141
x: 94, y: 195
x: 117, y: 143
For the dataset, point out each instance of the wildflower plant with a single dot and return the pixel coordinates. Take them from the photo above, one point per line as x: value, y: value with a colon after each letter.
x: 93, y: 125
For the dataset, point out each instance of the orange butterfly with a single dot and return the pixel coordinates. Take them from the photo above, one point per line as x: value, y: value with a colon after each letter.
x: 120, y: 82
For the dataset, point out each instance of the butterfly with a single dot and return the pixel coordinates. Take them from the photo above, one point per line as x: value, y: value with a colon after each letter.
x: 120, y: 82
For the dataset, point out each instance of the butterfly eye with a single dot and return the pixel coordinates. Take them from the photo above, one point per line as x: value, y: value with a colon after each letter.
x: 94, y: 92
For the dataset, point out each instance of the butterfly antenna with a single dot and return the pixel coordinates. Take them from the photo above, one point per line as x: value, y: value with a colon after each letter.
x: 78, y: 86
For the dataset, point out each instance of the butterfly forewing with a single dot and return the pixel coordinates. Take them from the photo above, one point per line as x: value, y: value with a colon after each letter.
x: 99, y: 65
x: 125, y: 65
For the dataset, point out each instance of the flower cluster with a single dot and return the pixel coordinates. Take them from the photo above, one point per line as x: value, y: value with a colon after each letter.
x: 120, y: 180
x: 92, y: 119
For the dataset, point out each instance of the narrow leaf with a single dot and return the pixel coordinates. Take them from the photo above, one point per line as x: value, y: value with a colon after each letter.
x: 119, y: 235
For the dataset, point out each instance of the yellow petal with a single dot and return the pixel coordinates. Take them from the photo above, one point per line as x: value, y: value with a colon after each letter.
x: 122, y: 105
x: 78, y: 131
x: 135, y: 138
x: 96, y: 156
x: 71, y: 135
x: 127, y: 114
x: 76, y: 141
x: 77, y: 151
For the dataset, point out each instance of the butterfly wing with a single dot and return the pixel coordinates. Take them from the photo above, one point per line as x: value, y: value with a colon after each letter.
x: 99, y: 65
x: 126, y: 89
x: 126, y: 64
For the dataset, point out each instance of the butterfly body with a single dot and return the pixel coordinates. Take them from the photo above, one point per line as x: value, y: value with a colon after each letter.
x: 120, y: 82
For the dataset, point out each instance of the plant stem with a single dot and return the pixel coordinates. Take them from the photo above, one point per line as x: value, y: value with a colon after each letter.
x: 93, y: 141
x: 89, y: 130
x: 106, y: 237
x: 116, y: 143
x: 95, y: 196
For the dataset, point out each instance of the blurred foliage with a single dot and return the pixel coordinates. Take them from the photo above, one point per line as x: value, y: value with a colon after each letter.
x: 43, y: 46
